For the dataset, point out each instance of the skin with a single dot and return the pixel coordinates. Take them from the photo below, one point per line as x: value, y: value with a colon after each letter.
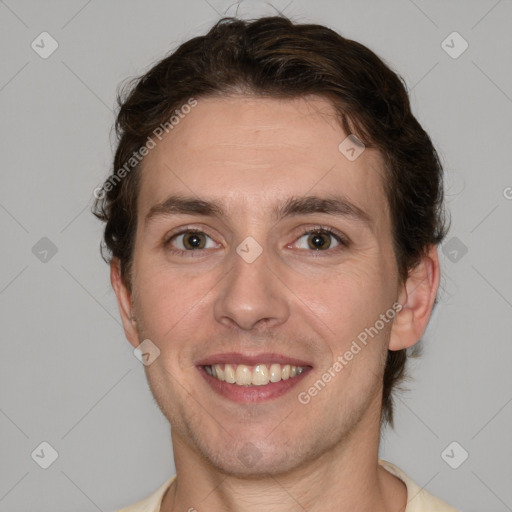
x: 251, y: 153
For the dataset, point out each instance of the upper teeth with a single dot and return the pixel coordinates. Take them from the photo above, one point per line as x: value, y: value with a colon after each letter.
x: 257, y: 375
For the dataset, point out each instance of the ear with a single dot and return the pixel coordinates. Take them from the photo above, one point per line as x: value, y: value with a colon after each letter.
x: 124, y: 301
x: 417, y: 297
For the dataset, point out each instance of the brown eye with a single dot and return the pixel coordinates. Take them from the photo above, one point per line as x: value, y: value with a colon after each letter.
x: 190, y: 240
x: 194, y: 240
x: 319, y: 241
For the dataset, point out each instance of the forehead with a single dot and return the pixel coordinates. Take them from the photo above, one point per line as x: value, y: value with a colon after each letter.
x: 250, y: 151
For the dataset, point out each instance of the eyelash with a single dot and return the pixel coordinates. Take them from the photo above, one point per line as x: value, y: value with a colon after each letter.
x: 343, y: 241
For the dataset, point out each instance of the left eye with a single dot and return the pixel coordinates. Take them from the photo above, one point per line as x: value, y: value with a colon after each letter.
x: 319, y: 240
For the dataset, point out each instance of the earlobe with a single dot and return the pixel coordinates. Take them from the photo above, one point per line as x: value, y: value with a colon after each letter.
x: 417, y: 299
x: 124, y: 302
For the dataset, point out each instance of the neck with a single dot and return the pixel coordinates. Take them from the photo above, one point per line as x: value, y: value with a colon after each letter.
x: 347, y: 478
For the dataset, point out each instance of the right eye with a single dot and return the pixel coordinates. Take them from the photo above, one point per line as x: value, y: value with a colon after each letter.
x: 188, y: 240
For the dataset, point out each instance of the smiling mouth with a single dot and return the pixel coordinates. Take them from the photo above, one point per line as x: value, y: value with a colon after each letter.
x: 256, y: 375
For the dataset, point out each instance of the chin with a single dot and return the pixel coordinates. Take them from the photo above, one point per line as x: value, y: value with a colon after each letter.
x: 255, y: 458
x: 248, y: 461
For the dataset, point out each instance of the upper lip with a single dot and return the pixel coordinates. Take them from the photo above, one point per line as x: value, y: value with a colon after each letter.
x: 250, y: 359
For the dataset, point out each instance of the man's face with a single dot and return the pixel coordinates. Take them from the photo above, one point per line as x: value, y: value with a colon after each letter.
x: 211, y: 298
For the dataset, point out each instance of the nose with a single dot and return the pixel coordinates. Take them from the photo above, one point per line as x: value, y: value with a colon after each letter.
x: 251, y: 295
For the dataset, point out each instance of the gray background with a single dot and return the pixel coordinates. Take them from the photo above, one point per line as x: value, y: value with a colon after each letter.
x: 67, y: 374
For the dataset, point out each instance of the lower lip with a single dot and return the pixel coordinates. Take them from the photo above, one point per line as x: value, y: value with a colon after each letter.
x: 252, y: 394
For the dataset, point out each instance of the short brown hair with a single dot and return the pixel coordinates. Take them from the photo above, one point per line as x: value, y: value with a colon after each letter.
x: 275, y: 57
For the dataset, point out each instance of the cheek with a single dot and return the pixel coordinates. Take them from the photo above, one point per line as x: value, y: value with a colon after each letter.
x: 161, y: 299
x: 175, y: 310
x: 349, y: 299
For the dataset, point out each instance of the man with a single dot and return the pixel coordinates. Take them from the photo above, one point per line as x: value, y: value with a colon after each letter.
x: 272, y: 219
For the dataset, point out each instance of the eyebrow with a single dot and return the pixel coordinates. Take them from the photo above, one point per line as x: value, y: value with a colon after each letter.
x: 338, y: 206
